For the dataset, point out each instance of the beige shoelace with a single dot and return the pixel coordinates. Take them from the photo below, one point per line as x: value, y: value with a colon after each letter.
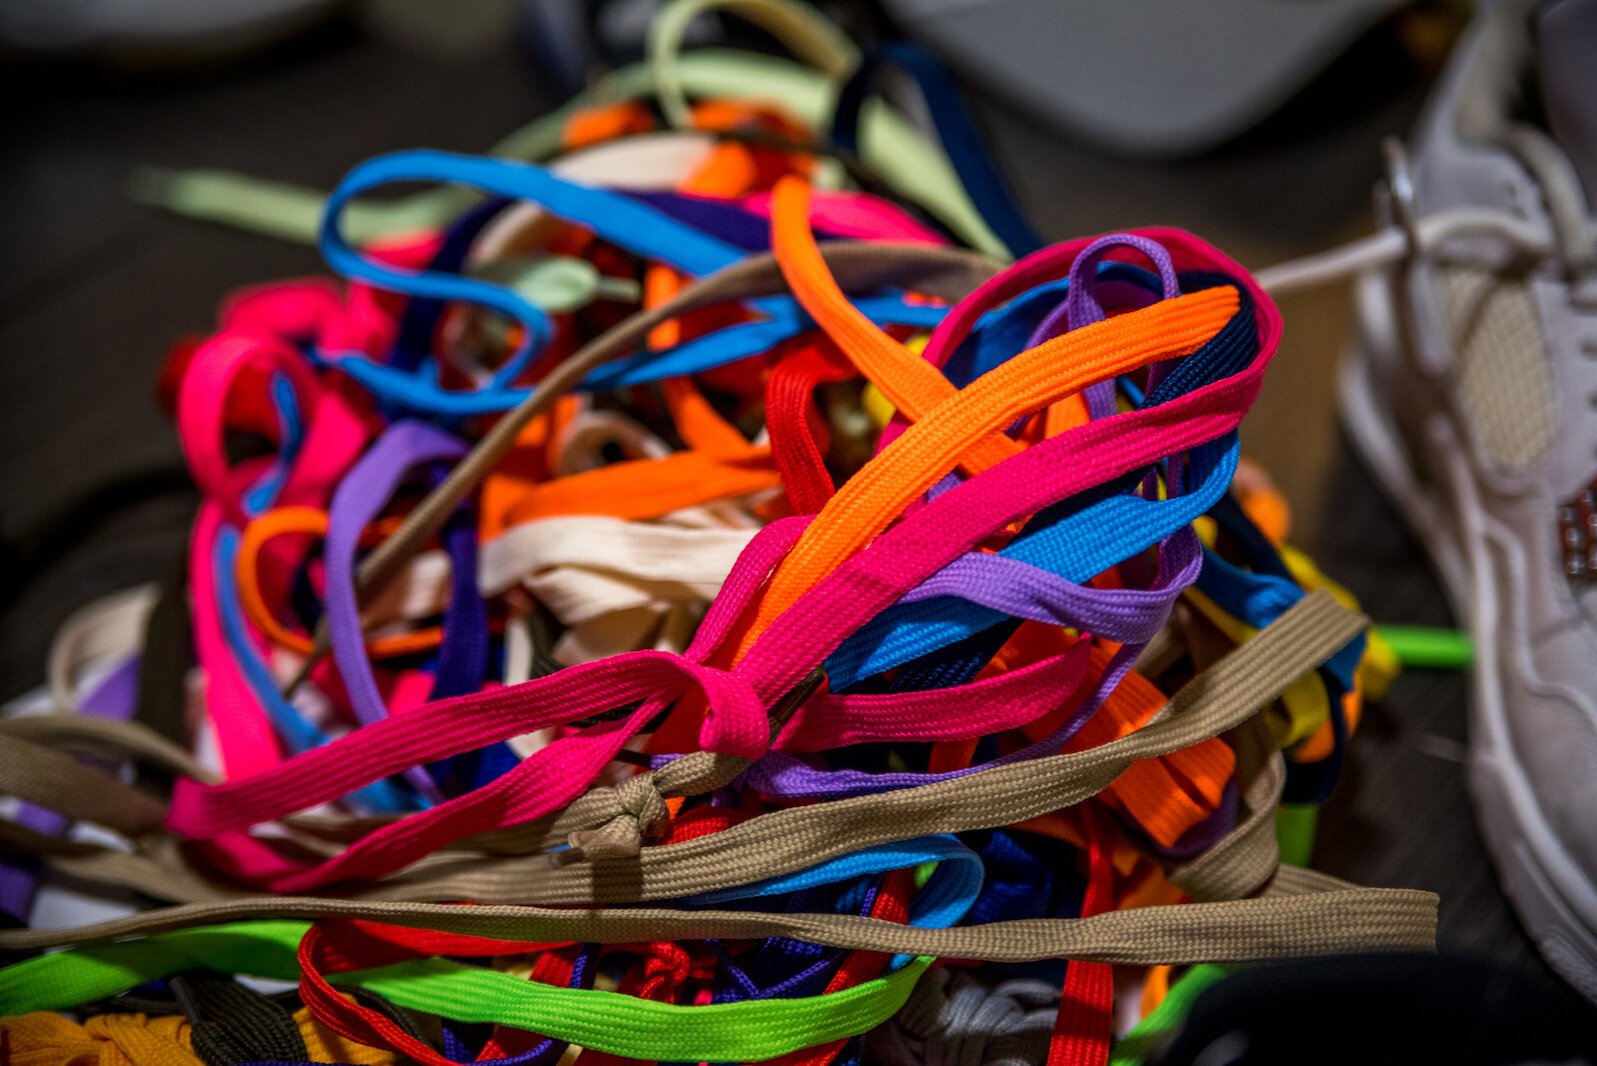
x: 1297, y: 912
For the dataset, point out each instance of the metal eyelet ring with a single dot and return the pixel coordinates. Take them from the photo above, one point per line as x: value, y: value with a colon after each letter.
x: 1399, y: 190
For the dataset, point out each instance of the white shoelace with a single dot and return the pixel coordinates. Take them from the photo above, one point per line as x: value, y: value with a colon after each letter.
x: 1431, y: 236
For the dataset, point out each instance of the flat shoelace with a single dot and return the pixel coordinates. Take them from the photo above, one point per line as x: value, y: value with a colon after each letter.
x: 953, y: 531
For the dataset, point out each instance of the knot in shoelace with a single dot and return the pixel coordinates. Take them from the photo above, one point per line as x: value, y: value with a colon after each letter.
x: 637, y: 814
x: 953, y: 1019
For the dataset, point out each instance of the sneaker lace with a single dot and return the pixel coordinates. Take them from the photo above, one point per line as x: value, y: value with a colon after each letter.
x: 1391, y: 244
x: 1569, y: 237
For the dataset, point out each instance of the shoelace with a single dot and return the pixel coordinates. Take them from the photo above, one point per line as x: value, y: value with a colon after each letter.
x: 240, y: 1026
x: 951, y: 1017
x: 972, y: 809
x: 1065, y: 484
x: 478, y: 908
x: 566, y: 678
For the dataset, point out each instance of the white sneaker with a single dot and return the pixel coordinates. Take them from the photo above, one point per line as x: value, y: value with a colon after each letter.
x: 1472, y: 392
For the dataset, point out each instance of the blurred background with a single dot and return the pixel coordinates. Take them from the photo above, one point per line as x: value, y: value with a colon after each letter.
x: 1255, y: 123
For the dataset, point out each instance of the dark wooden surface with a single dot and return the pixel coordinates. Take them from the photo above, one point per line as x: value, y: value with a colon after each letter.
x: 94, y: 288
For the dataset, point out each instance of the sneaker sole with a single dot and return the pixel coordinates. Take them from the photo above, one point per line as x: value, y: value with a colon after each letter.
x: 1553, y: 898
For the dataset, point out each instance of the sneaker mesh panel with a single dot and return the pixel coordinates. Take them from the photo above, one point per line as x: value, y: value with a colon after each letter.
x: 1505, y: 382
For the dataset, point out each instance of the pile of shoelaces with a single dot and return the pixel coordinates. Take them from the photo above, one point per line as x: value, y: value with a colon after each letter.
x: 683, y: 603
